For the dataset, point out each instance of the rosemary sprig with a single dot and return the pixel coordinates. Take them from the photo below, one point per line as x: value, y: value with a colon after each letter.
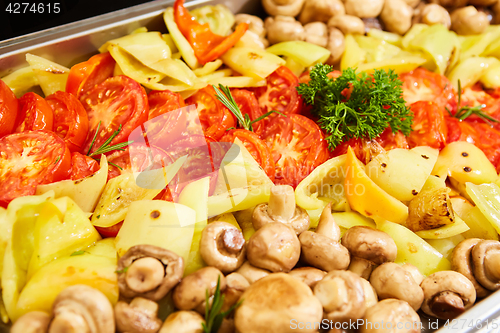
x: 105, y: 147
x: 225, y: 97
x: 213, y: 314
x: 466, y: 111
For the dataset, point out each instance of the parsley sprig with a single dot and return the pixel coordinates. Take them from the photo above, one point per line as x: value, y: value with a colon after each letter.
x: 105, y: 147
x: 225, y: 97
x: 466, y: 111
x: 375, y: 103
x: 213, y: 314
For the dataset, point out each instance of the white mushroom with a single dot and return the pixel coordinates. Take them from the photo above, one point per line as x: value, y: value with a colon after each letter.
x: 283, y: 29
x: 469, y: 21
x: 397, y: 16
x: 183, y: 322
x: 283, y: 7
x: 32, y: 322
x: 336, y: 45
x: 252, y: 273
x: 396, y: 316
x: 348, y: 24
x: 321, y: 10
x: 140, y: 316
x: 316, y: 33
x: 364, y: 8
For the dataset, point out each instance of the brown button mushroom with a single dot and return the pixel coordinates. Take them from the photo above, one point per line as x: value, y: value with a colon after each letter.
x: 316, y: 33
x: 321, y: 10
x: 364, y: 8
x: 80, y: 309
x: 327, y: 225
x: 140, y: 316
x: 469, y: 21
x: 336, y: 46
x: 148, y: 271
x: 435, y: 14
x: 368, y: 247
x: 415, y: 273
x: 392, y: 281
x: 391, y: 315
x: 222, y: 246
x: 397, y: 16
x: 252, y: 273
x: 447, y: 294
x: 370, y: 293
x: 191, y: 291
x: 283, y: 7
x: 486, y: 262
x: 236, y: 284
x: 308, y: 275
x: 274, y: 247
x: 183, y: 322
x: 274, y: 303
x: 341, y: 293
x: 322, y: 252
x: 281, y: 208
x: 348, y: 24
x: 32, y: 322
x: 283, y: 29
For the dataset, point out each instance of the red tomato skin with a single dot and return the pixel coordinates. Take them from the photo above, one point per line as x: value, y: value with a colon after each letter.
x: 121, y: 97
x: 71, y: 122
x: 9, y: 107
x: 82, y: 166
x: 34, y: 114
x: 20, y: 175
x: 429, y: 126
x: 163, y: 101
x: 247, y: 102
x: 108, y: 232
x: 86, y: 75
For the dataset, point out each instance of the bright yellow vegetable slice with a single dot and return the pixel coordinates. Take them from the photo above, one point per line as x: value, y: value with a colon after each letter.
x: 252, y: 62
x: 389, y: 37
x: 21, y: 81
x: 353, y: 55
x: 445, y: 246
x: 52, y: 77
x: 351, y: 219
x: 491, y: 77
x: 487, y: 199
x: 400, y: 64
x: 366, y: 197
x: 479, y: 225
x: 471, y: 70
x: 376, y: 49
x: 304, y: 53
x: 446, y: 231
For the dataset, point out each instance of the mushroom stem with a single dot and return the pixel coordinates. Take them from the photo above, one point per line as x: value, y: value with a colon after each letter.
x: 361, y: 267
x: 232, y: 241
x: 447, y: 305
x: 492, y: 265
x: 327, y: 225
x: 145, y: 274
x: 69, y: 322
x: 282, y: 202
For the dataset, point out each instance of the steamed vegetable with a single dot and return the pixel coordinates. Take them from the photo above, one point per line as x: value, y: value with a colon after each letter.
x: 304, y: 53
x: 251, y: 62
x: 51, y: 77
x: 487, y: 199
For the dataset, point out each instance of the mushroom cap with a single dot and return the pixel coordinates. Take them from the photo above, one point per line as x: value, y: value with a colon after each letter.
x: 398, y: 314
x: 308, y: 275
x: 173, y: 272
x: 274, y: 247
x: 323, y: 252
x: 283, y: 7
x: 139, y: 316
x: 274, y: 302
x: 342, y: 296
x: 32, y: 322
x: 321, y: 10
x: 392, y: 281
x: 486, y: 263
x: 252, y: 273
x: 236, y: 284
x: 222, y: 246
x: 461, y: 261
x: 191, y: 291
x: 451, y: 283
x: 183, y: 321
x: 80, y: 307
x: 370, y: 244
x: 415, y: 273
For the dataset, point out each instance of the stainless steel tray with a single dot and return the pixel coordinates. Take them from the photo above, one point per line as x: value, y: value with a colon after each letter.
x: 76, y: 42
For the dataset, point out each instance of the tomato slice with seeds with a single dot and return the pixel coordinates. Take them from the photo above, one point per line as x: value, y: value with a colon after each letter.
x: 34, y: 114
x: 71, y: 122
x: 29, y: 159
x: 429, y: 126
x: 215, y: 118
x: 82, y: 166
x: 476, y: 96
x: 9, y: 106
x: 297, y: 146
x: 117, y: 101
x: 86, y: 75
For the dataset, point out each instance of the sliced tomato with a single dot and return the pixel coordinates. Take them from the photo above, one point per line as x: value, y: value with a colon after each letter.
x: 82, y: 166
x: 86, y: 75
x: 280, y: 95
x: 429, y: 126
x: 164, y: 101
x: 34, y: 114
x: 423, y: 85
x: 215, y: 118
x: 9, y: 106
x: 247, y: 102
x: 117, y: 101
x: 109, y: 231
x: 256, y: 147
x: 29, y: 159
x: 476, y: 96
x: 71, y: 122
x: 297, y: 146
x: 460, y: 131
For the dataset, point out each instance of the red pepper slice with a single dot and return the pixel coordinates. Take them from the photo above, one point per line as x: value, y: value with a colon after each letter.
x: 207, y: 46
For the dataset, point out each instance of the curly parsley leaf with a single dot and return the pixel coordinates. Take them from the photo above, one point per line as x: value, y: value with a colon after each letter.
x: 375, y: 102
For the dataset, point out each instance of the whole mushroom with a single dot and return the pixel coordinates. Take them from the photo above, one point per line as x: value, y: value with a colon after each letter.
x: 274, y: 247
x: 447, y: 294
x: 140, y: 316
x: 397, y: 16
x: 32, y: 322
x: 364, y: 8
x: 435, y: 14
x: 252, y: 273
x: 397, y: 317
x: 348, y: 24
x: 273, y: 303
x: 148, y: 271
x: 336, y: 45
x: 283, y: 7
x: 283, y: 29
x: 341, y: 293
x: 321, y: 10
x: 415, y: 273
x: 469, y: 21
x: 281, y: 208
x: 368, y: 247
x: 255, y: 25
x: 222, y: 246
x: 316, y: 33
x: 392, y: 281
x: 183, y: 322
x: 80, y: 309
x: 308, y: 275
x: 236, y: 284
